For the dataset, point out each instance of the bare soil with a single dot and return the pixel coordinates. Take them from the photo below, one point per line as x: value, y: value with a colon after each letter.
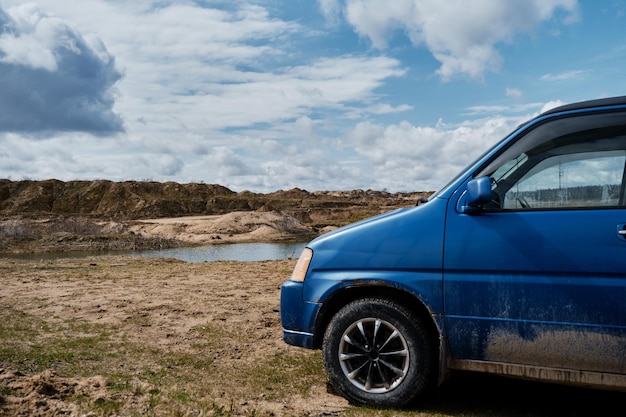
x: 233, y: 227
x: 221, y: 316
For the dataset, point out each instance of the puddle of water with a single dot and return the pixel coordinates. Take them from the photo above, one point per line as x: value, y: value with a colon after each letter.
x: 244, y: 252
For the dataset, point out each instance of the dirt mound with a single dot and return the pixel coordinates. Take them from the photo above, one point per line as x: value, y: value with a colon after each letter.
x: 143, y: 200
x: 232, y: 227
x: 52, y: 215
x: 120, y: 200
x: 46, y: 394
x: 84, y: 234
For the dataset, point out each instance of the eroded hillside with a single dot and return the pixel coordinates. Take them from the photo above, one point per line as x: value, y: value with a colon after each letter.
x: 103, y: 215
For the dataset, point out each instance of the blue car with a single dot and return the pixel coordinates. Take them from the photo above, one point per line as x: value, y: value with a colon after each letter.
x: 517, y: 267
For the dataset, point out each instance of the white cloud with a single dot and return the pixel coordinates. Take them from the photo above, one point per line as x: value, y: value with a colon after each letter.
x: 462, y: 35
x: 513, y: 92
x: 551, y: 105
x: 51, y: 78
x: 25, y: 38
x: 404, y: 156
x: 564, y: 76
x: 168, y: 165
x: 213, y: 64
x: 197, y: 81
x: 515, y: 109
x: 331, y: 9
x: 385, y: 108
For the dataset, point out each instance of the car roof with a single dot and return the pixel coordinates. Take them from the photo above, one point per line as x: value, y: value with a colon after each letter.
x: 603, y: 102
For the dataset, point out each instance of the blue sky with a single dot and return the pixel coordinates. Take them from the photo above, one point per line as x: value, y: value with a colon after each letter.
x: 264, y: 95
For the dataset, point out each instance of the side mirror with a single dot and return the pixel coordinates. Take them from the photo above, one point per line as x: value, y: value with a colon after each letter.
x: 477, y: 193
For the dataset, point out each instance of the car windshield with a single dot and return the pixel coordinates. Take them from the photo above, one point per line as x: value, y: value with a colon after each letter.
x: 505, y: 170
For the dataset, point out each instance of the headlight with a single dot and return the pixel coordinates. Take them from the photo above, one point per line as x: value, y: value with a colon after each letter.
x: 303, y: 264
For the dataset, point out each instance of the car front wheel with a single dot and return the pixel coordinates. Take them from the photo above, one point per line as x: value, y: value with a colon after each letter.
x: 379, y: 353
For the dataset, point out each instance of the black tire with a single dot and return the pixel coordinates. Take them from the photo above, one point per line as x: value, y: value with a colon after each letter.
x: 379, y: 353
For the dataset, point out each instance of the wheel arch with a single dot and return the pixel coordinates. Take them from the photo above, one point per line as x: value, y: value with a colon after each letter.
x: 346, y: 295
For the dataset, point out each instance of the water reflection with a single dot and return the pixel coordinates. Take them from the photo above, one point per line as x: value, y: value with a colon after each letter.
x: 244, y: 252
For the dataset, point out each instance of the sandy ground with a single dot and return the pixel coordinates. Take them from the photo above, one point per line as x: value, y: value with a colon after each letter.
x: 167, y: 306
x: 250, y: 226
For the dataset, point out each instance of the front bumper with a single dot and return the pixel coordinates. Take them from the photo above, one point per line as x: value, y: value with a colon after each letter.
x: 300, y: 339
x: 297, y: 316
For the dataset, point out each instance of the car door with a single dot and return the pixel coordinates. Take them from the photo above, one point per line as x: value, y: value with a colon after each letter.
x: 538, y: 275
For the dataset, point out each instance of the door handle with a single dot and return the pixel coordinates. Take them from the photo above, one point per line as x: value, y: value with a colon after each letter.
x: 621, y: 231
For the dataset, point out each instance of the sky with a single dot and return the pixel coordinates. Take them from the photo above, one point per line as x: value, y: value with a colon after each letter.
x: 268, y: 95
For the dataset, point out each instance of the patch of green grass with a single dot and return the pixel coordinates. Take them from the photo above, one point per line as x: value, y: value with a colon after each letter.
x: 178, y: 360
x: 219, y: 410
x: 17, y: 324
x: 182, y: 396
x: 284, y: 374
x: 211, y: 332
x: 107, y: 407
x: 4, y: 390
x: 154, y: 377
x: 32, y: 344
x: 20, y: 333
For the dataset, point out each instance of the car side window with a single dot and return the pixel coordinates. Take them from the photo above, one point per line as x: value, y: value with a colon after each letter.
x: 589, y: 179
x: 575, y: 162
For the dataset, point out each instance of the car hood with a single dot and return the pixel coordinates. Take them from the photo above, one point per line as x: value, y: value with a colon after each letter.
x: 404, y: 238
